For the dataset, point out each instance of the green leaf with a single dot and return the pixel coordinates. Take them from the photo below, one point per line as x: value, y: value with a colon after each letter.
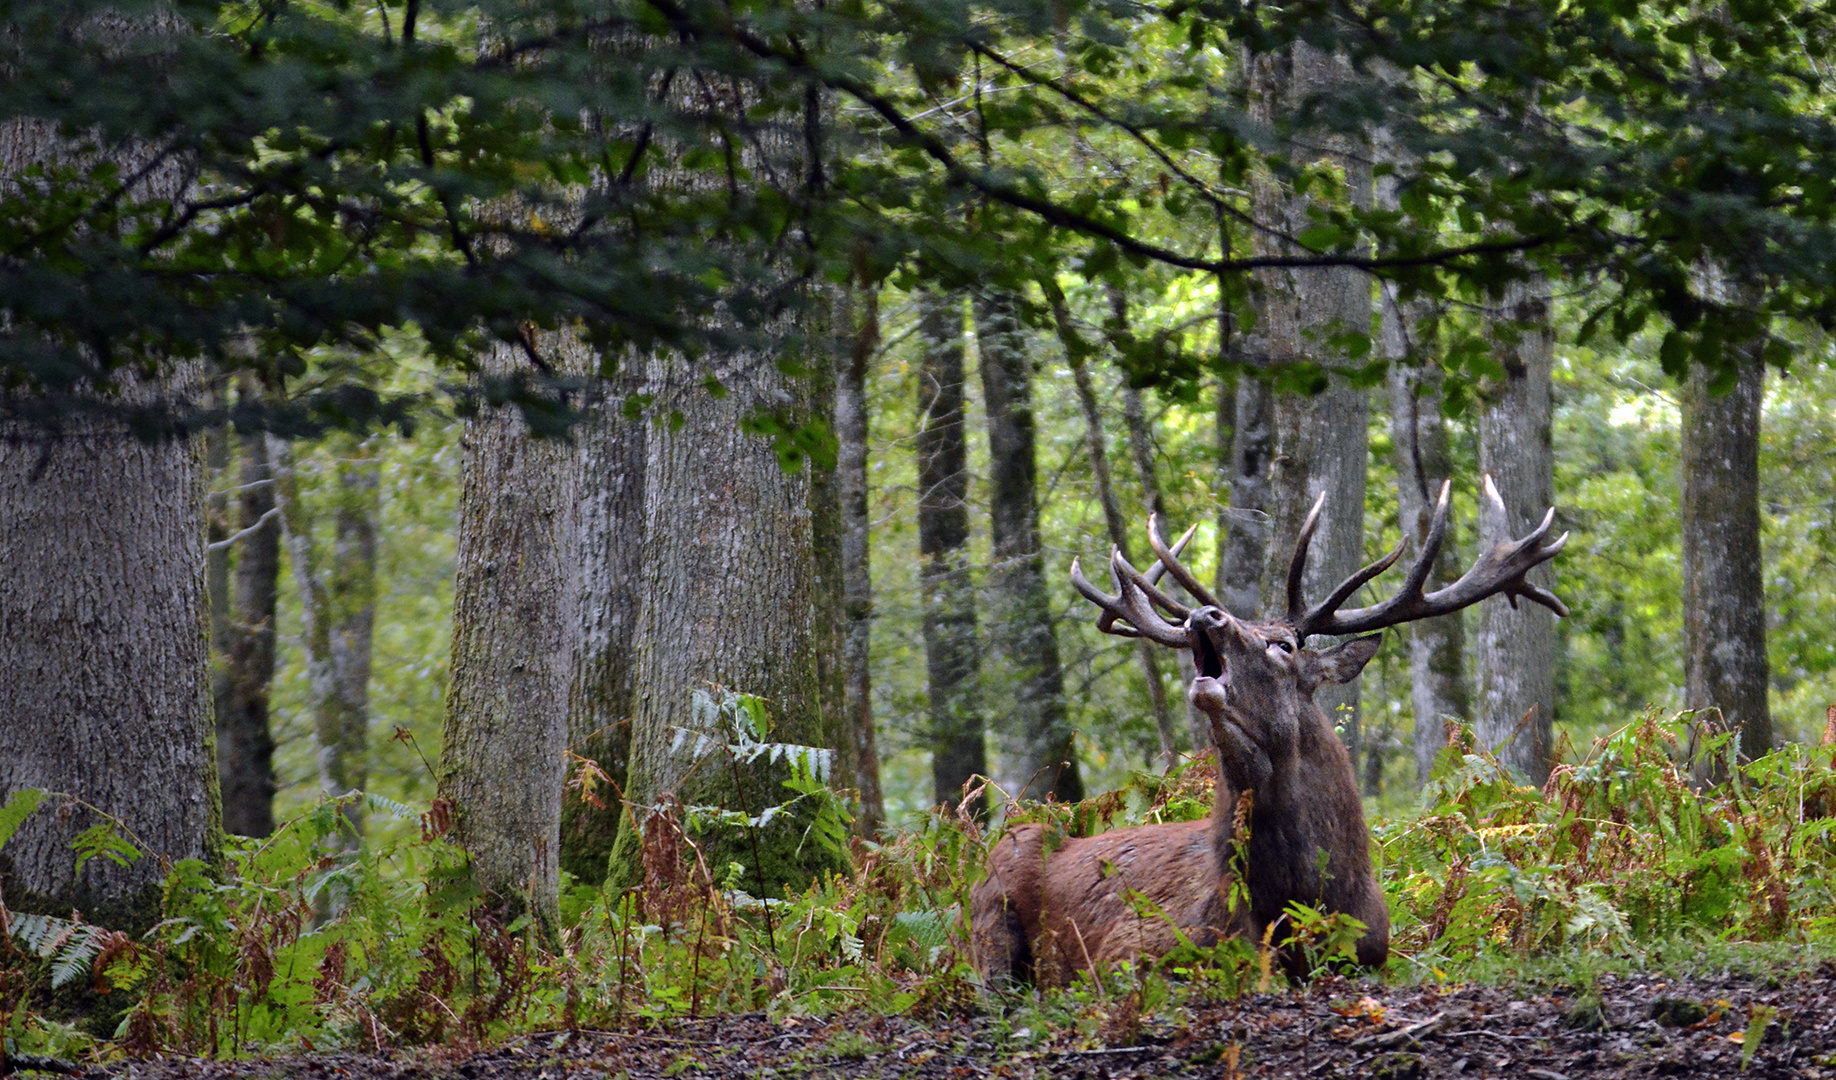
x: 16, y: 810
x: 102, y: 839
x: 1322, y: 237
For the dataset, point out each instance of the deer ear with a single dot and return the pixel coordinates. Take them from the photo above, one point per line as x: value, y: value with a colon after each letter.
x: 1342, y: 663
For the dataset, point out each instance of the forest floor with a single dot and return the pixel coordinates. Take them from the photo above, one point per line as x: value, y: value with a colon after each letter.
x: 1638, y: 1026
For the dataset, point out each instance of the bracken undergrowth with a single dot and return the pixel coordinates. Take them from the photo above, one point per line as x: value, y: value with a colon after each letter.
x: 1624, y: 858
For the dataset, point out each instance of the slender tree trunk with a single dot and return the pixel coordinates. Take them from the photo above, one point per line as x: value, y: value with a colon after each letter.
x: 1321, y: 443
x: 515, y: 621
x: 857, y: 583
x: 245, y: 743
x: 1516, y: 647
x: 612, y: 450
x: 827, y: 536
x: 337, y: 613
x: 1418, y: 434
x: 952, y: 651
x: 1112, y: 512
x: 105, y: 684
x: 344, y: 748
x: 1041, y: 758
x: 1724, y: 591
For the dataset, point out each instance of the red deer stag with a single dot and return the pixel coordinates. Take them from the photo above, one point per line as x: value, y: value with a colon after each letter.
x: 1284, y: 777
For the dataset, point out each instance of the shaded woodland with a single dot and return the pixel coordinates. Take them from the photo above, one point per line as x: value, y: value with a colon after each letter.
x: 532, y: 511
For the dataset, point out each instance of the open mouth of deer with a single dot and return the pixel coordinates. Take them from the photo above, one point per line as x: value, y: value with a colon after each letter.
x: 1205, y: 655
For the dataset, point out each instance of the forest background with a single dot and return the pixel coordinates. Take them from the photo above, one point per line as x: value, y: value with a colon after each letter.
x: 424, y: 262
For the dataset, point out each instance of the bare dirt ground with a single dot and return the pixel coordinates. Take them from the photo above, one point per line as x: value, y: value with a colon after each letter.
x: 1638, y: 1026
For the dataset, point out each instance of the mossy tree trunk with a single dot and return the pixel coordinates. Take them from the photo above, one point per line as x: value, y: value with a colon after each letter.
x: 729, y: 567
x: 1245, y: 550
x: 1418, y: 436
x: 1040, y: 756
x: 1724, y: 588
x: 851, y: 430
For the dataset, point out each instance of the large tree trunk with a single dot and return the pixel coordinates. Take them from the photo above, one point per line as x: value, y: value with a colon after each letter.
x: 952, y: 651
x: 1724, y: 591
x: 104, y: 673
x: 857, y: 584
x: 1245, y: 550
x: 729, y: 569
x: 245, y: 644
x: 1516, y: 706
x: 105, y: 686
x: 1040, y: 758
x: 515, y: 622
x: 1321, y: 443
x: 612, y: 449
x: 1418, y: 434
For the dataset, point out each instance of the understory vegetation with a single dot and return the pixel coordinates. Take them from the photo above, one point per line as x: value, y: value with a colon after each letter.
x: 1622, y: 860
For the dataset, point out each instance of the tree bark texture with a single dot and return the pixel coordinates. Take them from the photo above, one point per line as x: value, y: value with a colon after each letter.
x: 1245, y: 550
x: 1320, y: 443
x: 826, y: 537
x: 1724, y: 590
x: 952, y: 650
x: 729, y: 568
x: 851, y: 429
x: 1515, y: 711
x: 1039, y: 756
x: 245, y: 643
x: 104, y: 672
x: 515, y: 624
x: 105, y: 683
x: 612, y: 449
x: 1418, y: 434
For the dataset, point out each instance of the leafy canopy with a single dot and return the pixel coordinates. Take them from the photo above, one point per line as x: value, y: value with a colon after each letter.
x: 245, y: 183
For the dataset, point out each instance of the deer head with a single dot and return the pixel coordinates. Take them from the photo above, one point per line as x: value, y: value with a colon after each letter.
x: 1256, y: 678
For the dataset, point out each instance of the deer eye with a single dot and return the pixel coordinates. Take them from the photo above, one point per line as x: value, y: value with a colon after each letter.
x: 1284, y: 646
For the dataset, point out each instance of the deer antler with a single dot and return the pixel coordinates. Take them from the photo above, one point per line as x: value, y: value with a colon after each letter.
x: 1499, y: 570
x: 1137, y: 595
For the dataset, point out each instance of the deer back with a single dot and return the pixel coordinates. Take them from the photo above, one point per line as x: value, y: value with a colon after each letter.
x: 1095, y: 901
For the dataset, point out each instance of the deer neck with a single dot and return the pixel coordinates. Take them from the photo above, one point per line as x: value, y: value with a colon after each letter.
x: 1271, y: 835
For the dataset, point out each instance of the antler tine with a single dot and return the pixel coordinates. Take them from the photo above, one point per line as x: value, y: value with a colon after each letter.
x: 1127, y: 575
x: 1297, y: 565
x: 1155, y: 572
x: 1169, y: 558
x: 1130, y: 604
x: 1106, y: 622
x: 1352, y: 584
x: 1411, y: 590
x: 1431, y: 546
x: 1499, y: 570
